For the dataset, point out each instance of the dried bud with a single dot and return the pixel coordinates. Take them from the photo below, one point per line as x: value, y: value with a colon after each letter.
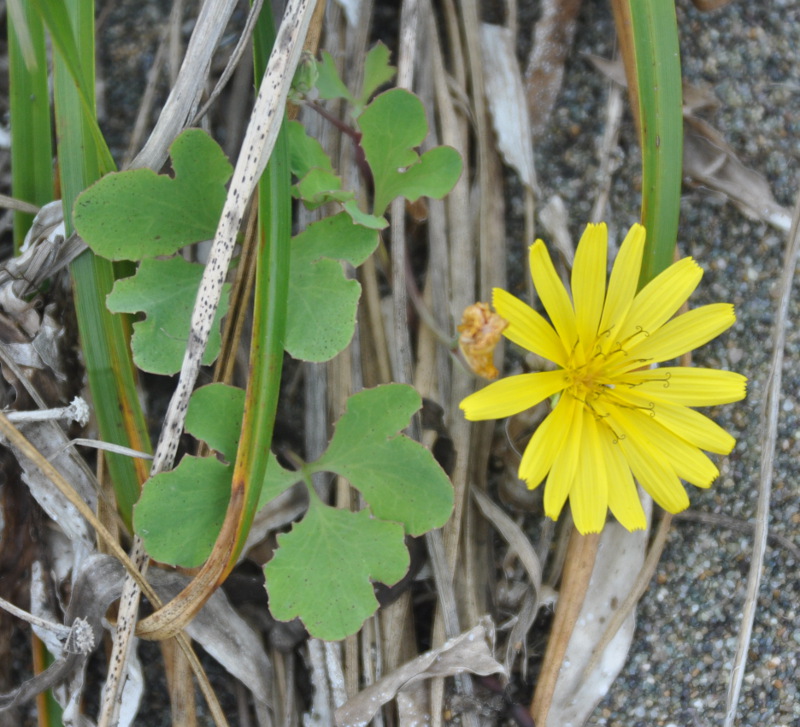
x: 480, y: 331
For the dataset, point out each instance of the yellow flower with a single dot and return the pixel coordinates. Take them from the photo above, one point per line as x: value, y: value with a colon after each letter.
x: 617, y: 418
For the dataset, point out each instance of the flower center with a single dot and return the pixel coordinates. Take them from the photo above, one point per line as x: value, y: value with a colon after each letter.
x: 588, y: 381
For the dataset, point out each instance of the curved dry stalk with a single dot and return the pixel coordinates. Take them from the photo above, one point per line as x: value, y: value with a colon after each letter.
x: 769, y: 435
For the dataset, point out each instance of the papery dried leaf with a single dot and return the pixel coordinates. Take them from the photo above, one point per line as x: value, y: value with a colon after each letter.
x: 53, y: 444
x: 44, y: 252
x: 504, y: 91
x: 554, y: 219
x: 481, y: 331
x: 223, y: 633
x: 552, y: 41
x: 521, y: 546
x: 469, y: 652
x: 97, y: 586
x: 708, y: 161
x: 620, y: 557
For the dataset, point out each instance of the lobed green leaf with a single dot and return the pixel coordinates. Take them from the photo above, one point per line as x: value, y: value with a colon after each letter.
x: 389, y: 148
x: 180, y: 512
x: 322, y: 569
x: 215, y: 417
x: 138, y: 214
x: 165, y: 290
x: 397, y: 476
x: 322, y: 302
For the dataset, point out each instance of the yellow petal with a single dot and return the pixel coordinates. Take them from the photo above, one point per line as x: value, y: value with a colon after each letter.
x: 649, y: 466
x: 658, y: 300
x: 684, y: 333
x: 589, y: 282
x: 690, y: 386
x: 527, y: 328
x: 588, y: 496
x: 688, y: 462
x: 547, y: 441
x: 624, y: 281
x: 623, y: 496
x: 688, y: 424
x: 512, y: 395
x: 562, y: 473
x: 553, y: 294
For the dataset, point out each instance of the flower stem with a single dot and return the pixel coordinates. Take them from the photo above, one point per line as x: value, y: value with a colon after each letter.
x: 581, y: 554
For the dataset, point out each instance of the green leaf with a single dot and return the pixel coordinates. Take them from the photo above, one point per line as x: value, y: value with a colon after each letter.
x: 377, y: 71
x: 276, y: 481
x: 319, y: 187
x: 215, y: 415
x: 397, y: 476
x: 199, y: 488
x: 322, y: 302
x: 374, y: 222
x: 318, y: 183
x: 322, y: 569
x: 138, y: 214
x: 181, y: 511
x: 396, y: 167
x: 329, y: 84
x: 165, y: 290
x: 305, y: 152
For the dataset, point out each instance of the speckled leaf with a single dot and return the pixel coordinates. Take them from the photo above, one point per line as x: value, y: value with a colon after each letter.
x: 397, y: 476
x: 165, y: 290
x: 396, y: 167
x: 138, y: 214
x: 321, y: 310
x: 322, y: 569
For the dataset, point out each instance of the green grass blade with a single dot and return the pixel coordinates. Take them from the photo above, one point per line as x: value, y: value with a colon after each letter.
x: 654, y: 31
x: 104, y: 338
x: 269, y: 322
x: 73, y: 57
x: 31, y: 134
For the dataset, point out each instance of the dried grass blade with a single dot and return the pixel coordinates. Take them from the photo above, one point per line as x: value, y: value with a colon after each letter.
x: 769, y: 435
x: 516, y: 539
x: 184, y: 98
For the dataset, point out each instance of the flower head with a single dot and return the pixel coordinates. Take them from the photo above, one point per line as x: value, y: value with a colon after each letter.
x: 617, y: 418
